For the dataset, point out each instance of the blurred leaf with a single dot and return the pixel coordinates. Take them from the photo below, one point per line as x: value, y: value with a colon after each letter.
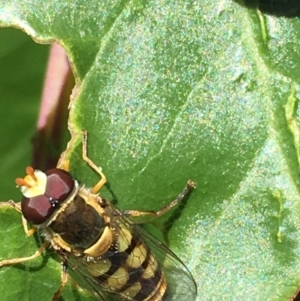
x: 22, y: 65
x: 175, y: 90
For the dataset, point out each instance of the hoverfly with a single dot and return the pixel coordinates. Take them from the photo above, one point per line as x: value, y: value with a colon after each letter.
x: 100, y: 246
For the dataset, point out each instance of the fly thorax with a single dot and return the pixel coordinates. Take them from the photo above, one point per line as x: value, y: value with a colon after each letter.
x: 78, y: 224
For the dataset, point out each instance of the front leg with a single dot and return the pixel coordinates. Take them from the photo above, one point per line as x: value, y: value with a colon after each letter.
x: 155, y: 214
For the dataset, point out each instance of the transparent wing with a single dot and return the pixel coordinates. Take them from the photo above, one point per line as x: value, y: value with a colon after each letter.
x: 78, y: 271
x: 133, y: 268
x: 181, y: 284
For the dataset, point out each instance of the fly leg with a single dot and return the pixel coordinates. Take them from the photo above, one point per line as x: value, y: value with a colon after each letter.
x: 11, y: 203
x: 65, y: 164
x: 17, y: 207
x: 154, y: 214
x: 29, y: 232
x: 97, y: 169
x: 23, y: 259
x: 64, y: 280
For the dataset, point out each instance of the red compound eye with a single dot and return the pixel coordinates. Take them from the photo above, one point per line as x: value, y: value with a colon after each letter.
x: 59, y: 186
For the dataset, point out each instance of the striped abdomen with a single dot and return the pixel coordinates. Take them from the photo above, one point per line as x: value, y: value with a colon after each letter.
x: 130, y: 269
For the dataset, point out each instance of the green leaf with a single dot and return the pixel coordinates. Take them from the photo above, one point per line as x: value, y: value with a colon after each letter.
x: 177, y: 90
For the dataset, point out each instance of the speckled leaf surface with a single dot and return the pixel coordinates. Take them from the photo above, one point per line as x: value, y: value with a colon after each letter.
x: 176, y: 90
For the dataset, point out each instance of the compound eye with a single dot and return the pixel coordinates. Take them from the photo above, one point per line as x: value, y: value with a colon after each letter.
x: 60, y: 184
x: 37, y: 208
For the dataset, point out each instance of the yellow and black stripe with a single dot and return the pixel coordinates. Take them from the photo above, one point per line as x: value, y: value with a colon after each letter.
x: 130, y: 269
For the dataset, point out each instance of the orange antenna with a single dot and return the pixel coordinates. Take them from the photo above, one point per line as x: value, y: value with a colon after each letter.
x: 34, y: 183
x: 30, y: 172
x: 29, y: 180
x: 21, y: 182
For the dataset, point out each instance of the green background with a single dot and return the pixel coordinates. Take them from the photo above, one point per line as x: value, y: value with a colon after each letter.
x: 168, y: 91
